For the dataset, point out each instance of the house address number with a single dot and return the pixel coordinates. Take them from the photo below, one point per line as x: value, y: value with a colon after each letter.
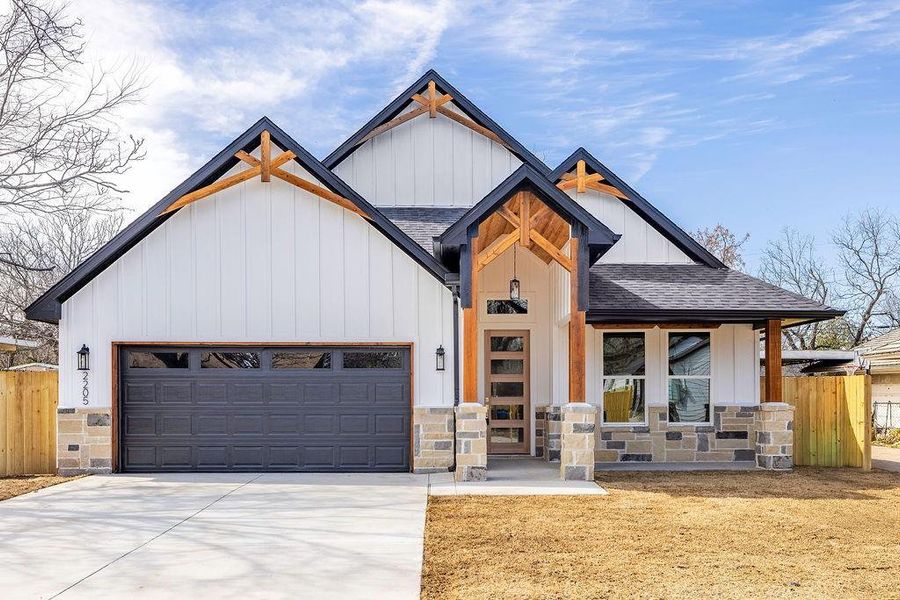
x: 84, y: 388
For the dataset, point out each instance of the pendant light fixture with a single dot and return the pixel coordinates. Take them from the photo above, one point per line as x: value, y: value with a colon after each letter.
x: 514, y: 282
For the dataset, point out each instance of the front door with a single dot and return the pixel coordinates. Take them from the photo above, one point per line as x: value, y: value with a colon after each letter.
x: 506, y: 387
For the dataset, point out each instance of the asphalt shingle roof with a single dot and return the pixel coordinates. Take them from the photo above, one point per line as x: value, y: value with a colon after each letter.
x: 422, y: 223
x: 694, y: 288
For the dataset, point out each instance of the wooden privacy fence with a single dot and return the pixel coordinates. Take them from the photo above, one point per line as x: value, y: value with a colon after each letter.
x: 28, y: 422
x: 832, y: 419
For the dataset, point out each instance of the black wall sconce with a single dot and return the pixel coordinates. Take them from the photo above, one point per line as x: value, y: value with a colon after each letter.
x: 84, y: 358
x: 439, y: 358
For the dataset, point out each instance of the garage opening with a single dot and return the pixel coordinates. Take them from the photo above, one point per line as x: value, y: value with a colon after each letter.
x: 243, y: 408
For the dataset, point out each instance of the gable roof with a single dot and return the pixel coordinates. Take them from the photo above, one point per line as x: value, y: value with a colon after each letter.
x: 642, y: 207
x: 400, y: 102
x: 48, y: 306
x: 600, y: 237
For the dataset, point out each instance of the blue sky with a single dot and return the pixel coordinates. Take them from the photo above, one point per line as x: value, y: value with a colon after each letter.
x: 759, y: 115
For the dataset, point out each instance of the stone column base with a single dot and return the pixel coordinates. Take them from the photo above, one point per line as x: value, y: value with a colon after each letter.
x: 577, y: 436
x: 775, y: 436
x: 84, y: 441
x: 433, y: 433
x: 552, y: 432
x: 471, y: 442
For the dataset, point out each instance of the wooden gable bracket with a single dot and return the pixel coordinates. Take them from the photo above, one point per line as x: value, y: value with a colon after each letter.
x: 525, y: 235
x: 434, y: 104
x: 265, y: 167
x: 581, y: 181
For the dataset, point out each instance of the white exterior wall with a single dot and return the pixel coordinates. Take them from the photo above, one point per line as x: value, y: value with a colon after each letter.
x: 640, y: 242
x: 427, y: 162
x: 734, y: 371
x: 260, y: 263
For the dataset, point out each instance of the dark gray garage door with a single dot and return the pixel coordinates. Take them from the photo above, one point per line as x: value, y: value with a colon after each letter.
x: 264, y: 409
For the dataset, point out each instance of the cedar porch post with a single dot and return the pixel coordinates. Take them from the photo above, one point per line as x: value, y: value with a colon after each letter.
x: 576, y: 456
x: 773, y: 361
x: 576, y: 330
x: 470, y: 331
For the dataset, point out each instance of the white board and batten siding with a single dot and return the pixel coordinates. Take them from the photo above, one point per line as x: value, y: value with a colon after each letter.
x: 640, y: 242
x: 427, y: 162
x: 260, y: 263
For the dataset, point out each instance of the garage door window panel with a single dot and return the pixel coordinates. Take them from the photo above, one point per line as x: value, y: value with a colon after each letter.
x: 157, y: 360
x: 229, y: 360
x: 304, y: 359
x: 373, y: 359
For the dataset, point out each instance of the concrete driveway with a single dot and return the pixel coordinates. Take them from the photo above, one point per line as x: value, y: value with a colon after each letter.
x: 885, y: 458
x: 216, y: 536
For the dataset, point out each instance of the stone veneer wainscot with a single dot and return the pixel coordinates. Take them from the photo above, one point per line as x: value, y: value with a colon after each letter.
x: 730, y: 438
x: 84, y: 441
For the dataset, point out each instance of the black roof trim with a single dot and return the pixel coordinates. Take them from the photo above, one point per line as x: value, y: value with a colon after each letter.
x: 47, y: 307
x: 525, y: 176
x: 710, y: 316
x: 393, y: 109
x: 642, y: 207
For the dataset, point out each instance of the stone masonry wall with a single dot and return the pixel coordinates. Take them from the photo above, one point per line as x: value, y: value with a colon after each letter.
x: 552, y: 433
x: 775, y: 437
x: 84, y: 441
x: 471, y: 442
x: 433, y: 433
x: 540, y: 427
x: 731, y: 438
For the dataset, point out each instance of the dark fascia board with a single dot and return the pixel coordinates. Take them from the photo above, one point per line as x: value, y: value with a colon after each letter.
x: 641, y: 206
x: 393, y: 109
x: 525, y: 176
x: 709, y: 316
x: 48, y: 306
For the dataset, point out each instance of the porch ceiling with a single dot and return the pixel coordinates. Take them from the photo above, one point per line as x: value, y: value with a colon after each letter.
x: 544, y: 221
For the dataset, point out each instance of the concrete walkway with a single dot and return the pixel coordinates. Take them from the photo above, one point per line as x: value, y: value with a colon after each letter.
x: 514, y: 477
x: 216, y: 536
x: 887, y: 459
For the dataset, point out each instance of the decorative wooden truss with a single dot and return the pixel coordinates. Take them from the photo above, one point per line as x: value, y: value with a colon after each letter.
x: 581, y: 181
x: 265, y: 167
x: 432, y: 104
x: 524, y: 219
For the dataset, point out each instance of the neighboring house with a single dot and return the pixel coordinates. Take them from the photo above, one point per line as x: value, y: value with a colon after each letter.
x: 277, y: 312
x: 794, y: 363
x: 880, y: 358
x: 10, y: 345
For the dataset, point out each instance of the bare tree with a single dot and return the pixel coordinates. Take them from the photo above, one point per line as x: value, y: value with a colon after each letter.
x: 868, y: 247
x: 723, y: 244
x: 59, y: 150
x: 46, y: 249
x: 791, y: 262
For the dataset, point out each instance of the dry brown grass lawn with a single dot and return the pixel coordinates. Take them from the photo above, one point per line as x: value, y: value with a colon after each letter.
x: 16, y: 486
x: 814, y: 533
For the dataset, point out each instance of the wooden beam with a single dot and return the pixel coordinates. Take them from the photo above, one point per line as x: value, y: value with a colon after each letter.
x: 580, y: 174
x: 525, y: 220
x: 554, y: 252
x: 539, y: 214
x: 424, y: 101
x: 470, y: 333
x: 265, y: 156
x: 570, y: 180
x: 606, y: 189
x: 472, y: 125
x: 511, y: 217
x: 319, y: 191
x: 576, y: 331
x: 218, y: 186
x: 773, y: 361
x: 497, y: 247
x: 432, y: 100
x: 393, y: 123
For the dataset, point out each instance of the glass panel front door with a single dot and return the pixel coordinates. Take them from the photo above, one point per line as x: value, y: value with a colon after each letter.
x: 506, y: 386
